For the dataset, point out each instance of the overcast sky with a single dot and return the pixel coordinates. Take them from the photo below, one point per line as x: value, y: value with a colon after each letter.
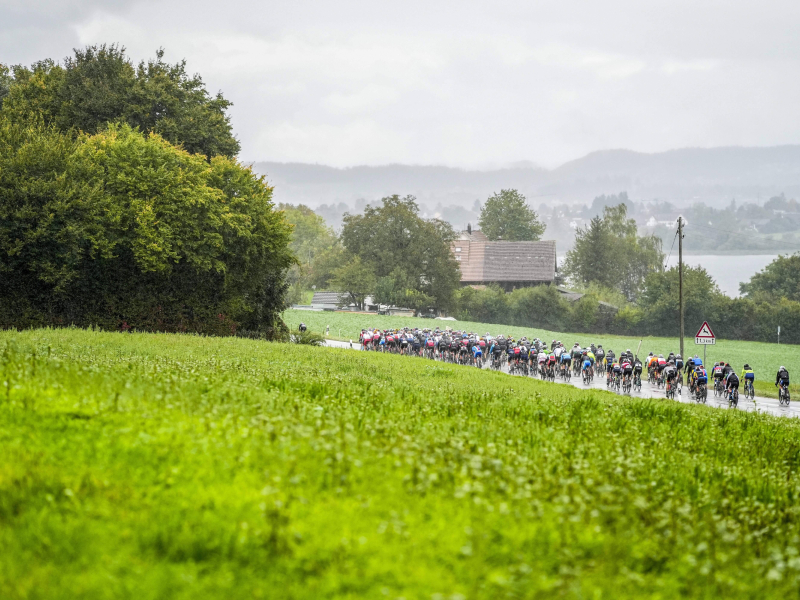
x: 472, y: 84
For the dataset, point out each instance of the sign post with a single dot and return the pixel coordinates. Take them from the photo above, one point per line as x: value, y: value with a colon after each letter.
x: 705, y: 337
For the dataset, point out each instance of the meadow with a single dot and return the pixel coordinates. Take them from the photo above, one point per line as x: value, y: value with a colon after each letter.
x: 173, y: 466
x: 763, y: 358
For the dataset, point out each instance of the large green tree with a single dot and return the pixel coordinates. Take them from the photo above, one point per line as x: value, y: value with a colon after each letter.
x: 395, y: 242
x: 316, y: 246
x: 356, y: 279
x: 659, y: 301
x: 100, y: 85
x: 506, y: 216
x: 779, y: 279
x: 122, y: 229
x: 609, y: 252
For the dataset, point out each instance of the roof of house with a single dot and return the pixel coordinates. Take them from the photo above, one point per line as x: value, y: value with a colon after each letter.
x: 333, y: 298
x: 484, y: 261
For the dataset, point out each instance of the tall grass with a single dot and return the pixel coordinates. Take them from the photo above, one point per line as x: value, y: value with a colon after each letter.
x: 167, y: 466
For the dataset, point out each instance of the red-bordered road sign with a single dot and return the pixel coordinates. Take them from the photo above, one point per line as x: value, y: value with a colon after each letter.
x: 705, y: 335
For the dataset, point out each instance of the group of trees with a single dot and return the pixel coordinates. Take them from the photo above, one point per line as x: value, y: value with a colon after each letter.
x: 398, y: 257
x: 122, y: 205
x: 392, y: 254
x: 610, y: 253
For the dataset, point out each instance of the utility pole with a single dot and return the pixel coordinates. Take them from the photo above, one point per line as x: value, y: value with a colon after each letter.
x: 680, y: 276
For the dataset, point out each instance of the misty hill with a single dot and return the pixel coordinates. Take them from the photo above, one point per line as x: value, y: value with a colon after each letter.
x: 318, y: 184
x: 678, y: 176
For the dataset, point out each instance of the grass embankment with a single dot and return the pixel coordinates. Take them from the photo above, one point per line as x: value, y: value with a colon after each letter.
x: 165, y: 466
x: 763, y: 358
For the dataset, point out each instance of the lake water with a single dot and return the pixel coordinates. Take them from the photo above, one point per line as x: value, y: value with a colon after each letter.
x: 727, y: 271
x: 730, y: 271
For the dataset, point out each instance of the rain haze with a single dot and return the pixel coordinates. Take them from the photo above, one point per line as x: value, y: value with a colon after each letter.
x: 459, y: 84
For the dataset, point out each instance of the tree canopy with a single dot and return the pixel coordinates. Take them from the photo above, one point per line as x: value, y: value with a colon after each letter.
x: 317, y: 249
x: 121, y: 205
x: 506, y: 216
x: 121, y: 230
x: 609, y: 252
x: 414, y: 253
x: 100, y: 85
x: 779, y: 279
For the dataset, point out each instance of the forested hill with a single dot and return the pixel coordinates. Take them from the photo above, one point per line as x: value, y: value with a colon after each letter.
x: 679, y: 176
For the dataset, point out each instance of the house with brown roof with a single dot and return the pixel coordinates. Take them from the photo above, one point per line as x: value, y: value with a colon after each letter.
x: 508, y: 264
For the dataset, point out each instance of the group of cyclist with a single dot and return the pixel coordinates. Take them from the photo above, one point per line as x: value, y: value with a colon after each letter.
x: 535, y: 357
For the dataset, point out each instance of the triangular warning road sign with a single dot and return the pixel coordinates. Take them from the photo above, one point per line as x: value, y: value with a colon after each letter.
x: 705, y: 331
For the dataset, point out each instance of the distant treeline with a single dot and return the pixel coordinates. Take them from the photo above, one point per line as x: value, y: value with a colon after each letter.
x: 769, y: 303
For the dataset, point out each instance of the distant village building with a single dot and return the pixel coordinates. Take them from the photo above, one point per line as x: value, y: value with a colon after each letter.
x: 508, y: 264
x: 665, y: 221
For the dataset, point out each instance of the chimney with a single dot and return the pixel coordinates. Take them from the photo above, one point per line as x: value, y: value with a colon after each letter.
x: 469, y: 228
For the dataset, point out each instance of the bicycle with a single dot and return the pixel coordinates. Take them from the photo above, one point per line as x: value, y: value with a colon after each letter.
x: 749, y: 392
x: 733, y: 398
x: 670, y: 390
x: 660, y: 380
x: 718, y: 389
x: 783, y: 394
x: 637, y: 382
x: 701, y: 393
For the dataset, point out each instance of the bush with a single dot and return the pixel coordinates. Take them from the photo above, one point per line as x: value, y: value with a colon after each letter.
x: 124, y: 231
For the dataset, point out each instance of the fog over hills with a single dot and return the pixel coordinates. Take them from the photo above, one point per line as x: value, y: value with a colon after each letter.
x: 679, y: 176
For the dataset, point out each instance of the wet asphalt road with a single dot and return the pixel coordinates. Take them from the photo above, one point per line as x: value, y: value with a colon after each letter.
x: 759, y: 404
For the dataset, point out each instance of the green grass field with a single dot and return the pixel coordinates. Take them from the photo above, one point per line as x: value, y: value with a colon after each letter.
x: 763, y: 358
x: 166, y: 466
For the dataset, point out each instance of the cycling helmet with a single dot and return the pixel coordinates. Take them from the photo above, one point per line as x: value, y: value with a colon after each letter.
x: 782, y: 368
x: 660, y: 356
x: 651, y: 354
x: 678, y: 356
x: 599, y: 345
x: 746, y: 366
x: 628, y: 350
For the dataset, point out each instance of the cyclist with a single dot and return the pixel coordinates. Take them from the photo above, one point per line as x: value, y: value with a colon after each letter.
x: 782, y: 377
x: 627, y: 368
x: 477, y: 354
x: 566, y: 362
x: 717, y: 374
x: 661, y: 363
x: 615, y: 371
x: 697, y: 376
x: 670, y: 374
x: 748, y: 375
x: 302, y: 327
x: 587, y: 366
x: 551, y: 363
x: 541, y: 358
x: 600, y: 354
x: 731, y: 383
x: 590, y: 356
